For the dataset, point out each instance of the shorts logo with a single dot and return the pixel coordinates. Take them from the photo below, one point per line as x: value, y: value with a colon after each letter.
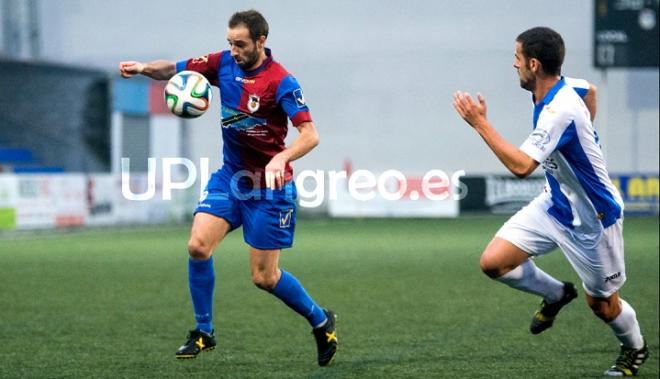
x: 612, y: 277
x: 253, y: 103
x: 300, y: 98
x: 285, y: 218
x: 540, y: 138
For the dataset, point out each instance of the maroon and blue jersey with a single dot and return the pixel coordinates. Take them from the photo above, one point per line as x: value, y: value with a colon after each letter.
x: 255, y: 106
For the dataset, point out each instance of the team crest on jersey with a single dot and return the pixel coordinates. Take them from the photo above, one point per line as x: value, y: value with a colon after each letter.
x: 253, y: 103
x: 300, y: 98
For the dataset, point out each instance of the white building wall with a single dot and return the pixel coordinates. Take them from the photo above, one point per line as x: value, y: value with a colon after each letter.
x: 378, y: 75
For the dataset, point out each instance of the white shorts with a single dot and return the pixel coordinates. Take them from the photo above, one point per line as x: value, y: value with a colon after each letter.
x: 597, y: 257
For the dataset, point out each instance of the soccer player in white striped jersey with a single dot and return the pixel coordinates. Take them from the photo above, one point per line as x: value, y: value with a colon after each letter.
x: 580, y: 211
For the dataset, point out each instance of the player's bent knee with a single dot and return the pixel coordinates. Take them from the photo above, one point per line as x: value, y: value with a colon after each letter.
x: 198, y: 249
x: 606, y: 311
x: 489, y: 266
x: 264, y: 281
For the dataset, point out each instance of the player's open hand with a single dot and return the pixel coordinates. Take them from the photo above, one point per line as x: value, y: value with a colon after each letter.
x: 275, y: 172
x: 130, y: 68
x: 472, y: 112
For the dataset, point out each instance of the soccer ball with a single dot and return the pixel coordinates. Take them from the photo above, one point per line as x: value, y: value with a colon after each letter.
x: 188, y: 94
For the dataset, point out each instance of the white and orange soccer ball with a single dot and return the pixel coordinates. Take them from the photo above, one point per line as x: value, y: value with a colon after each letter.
x: 188, y: 94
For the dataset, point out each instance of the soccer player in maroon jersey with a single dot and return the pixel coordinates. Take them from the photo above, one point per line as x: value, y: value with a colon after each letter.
x: 254, y: 188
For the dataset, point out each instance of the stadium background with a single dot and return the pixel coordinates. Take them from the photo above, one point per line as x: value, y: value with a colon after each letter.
x: 378, y: 77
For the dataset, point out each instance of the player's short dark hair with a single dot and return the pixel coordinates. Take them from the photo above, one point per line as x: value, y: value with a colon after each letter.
x: 253, y: 21
x: 546, y: 45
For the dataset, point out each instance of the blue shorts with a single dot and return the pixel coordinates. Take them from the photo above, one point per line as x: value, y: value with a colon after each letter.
x: 268, y: 216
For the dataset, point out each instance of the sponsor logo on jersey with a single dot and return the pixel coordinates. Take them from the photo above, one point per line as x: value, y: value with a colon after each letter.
x: 549, y: 164
x: 232, y: 118
x: 540, y: 138
x: 253, y: 103
x: 243, y: 80
x: 300, y: 98
x: 202, y: 59
x: 285, y: 218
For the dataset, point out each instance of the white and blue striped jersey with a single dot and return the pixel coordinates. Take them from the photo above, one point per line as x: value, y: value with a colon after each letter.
x: 579, y: 193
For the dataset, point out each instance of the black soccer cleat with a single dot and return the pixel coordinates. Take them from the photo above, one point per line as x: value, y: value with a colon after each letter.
x: 628, y: 361
x: 545, y: 315
x: 326, y: 339
x: 197, y: 342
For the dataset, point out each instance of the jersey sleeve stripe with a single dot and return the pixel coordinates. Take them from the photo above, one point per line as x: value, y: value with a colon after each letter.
x: 181, y: 65
x: 301, y: 117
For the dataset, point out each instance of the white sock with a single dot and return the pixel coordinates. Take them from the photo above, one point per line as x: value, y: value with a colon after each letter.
x: 529, y: 278
x: 626, y: 327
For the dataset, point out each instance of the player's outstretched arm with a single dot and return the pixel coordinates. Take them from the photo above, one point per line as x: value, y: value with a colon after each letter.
x: 158, y: 70
x: 303, y: 144
x: 519, y: 163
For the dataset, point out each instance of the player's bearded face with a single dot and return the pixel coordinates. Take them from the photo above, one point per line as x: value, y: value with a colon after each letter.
x: 527, y: 78
x: 522, y: 65
x: 247, y: 58
x: 243, y: 49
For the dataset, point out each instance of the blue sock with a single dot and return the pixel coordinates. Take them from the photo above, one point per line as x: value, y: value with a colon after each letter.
x: 292, y: 293
x: 201, y: 280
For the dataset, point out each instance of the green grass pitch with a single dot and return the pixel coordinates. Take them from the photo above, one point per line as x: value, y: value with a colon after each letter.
x: 410, y: 298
